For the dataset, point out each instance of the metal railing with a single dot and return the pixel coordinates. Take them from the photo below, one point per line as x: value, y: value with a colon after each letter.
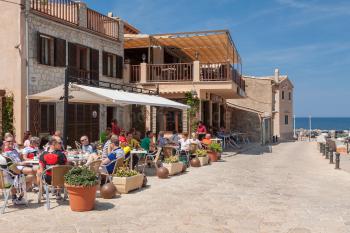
x: 65, y: 10
x: 215, y: 72
x: 83, y: 74
x: 135, y: 74
x: 102, y: 24
x: 170, y: 72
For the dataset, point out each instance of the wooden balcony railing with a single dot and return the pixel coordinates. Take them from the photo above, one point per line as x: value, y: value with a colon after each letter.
x: 65, y: 10
x: 102, y: 24
x: 170, y: 72
x: 135, y: 74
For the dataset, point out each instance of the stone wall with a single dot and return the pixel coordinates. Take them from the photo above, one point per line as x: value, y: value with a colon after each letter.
x: 245, y: 122
x: 43, y: 77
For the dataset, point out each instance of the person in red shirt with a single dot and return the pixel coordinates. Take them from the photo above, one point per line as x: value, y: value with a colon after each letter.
x: 32, y: 150
x: 54, y: 156
x: 201, y: 130
x: 115, y: 128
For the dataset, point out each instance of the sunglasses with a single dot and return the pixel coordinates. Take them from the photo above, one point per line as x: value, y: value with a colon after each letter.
x: 9, y: 141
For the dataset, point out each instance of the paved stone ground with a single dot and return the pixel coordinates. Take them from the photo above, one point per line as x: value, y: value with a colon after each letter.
x: 290, y: 190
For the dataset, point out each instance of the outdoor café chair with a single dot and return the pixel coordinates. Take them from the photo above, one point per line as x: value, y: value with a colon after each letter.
x: 152, y: 158
x: 95, y: 166
x: 57, y: 181
x: 118, y: 163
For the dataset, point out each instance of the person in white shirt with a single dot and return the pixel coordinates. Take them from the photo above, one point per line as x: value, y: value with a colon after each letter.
x: 184, y: 142
x: 194, y: 140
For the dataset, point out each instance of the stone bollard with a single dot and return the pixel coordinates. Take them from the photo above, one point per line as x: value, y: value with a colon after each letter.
x: 327, y: 154
x: 322, y: 148
x: 337, y: 160
x: 331, y: 156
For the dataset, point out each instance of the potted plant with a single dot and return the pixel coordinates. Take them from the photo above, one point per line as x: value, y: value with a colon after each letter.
x: 202, y: 155
x: 214, y: 150
x: 81, y: 184
x: 126, y: 180
x: 173, y: 164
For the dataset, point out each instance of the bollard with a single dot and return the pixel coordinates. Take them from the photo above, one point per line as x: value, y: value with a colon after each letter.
x: 327, y: 154
x: 322, y: 148
x: 337, y: 160
x: 325, y: 150
x: 331, y: 157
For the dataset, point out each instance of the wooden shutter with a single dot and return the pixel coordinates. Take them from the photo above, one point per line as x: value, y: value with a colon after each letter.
x: 119, y: 67
x: 105, y: 63
x: 60, y: 52
x: 38, y: 49
x: 72, y: 55
x: 94, y: 64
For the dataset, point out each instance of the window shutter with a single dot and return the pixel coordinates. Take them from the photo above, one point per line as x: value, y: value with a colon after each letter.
x: 38, y: 49
x: 72, y: 55
x: 60, y: 52
x: 119, y: 67
x: 34, y: 117
x: 94, y: 64
x: 105, y: 63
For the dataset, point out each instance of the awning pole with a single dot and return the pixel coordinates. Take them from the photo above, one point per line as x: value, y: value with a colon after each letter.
x: 65, y: 109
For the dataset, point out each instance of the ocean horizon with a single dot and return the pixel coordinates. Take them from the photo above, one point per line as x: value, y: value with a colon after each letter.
x: 323, y: 123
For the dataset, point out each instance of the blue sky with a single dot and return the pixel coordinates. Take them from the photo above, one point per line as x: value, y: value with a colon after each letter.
x: 307, y: 39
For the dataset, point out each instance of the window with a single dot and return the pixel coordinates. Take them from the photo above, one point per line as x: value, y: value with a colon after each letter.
x: 51, y: 51
x: 112, y: 65
x: 290, y: 95
x: 286, y: 120
x: 283, y: 95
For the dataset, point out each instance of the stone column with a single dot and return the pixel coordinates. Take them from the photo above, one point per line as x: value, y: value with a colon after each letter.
x: 143, y: 72
x: 196, y: 71
x: 126, y: 73
x: 82, y: 14
x: 154, y: 119
x: 148, y: 118
x: 184, y: 121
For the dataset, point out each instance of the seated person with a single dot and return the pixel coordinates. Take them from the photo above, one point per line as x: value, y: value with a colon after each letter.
x: 162, y: 141
x: 194, y: 140
x: 53, y: 156
x: 15, y: 165
x: 132, y: 142
x: 174, y: 139
x: 147, y: 143
x: 184, y: 142
x: 32, y: 150
x: 122, y: 136
x: 116, y: 153
x: 86, y: 147
x: 207, y: 140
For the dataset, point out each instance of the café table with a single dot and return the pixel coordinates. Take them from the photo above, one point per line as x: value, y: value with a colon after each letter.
x: 135, y: 152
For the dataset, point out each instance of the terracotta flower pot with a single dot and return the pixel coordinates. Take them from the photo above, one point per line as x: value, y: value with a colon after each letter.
x: 81, y: 198
x: 213, y: 156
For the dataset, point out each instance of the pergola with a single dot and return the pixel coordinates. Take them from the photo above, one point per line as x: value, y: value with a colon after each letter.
x: 206, y: 46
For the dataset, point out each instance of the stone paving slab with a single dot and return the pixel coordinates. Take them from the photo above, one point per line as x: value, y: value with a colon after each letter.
x: 290, y: 190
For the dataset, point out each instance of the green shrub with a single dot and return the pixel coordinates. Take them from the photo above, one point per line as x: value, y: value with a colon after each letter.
x: 201, y: 153
x: 81, y: 176
x: 124, y: 172
x: 171, y: 159
x: 215, y: 147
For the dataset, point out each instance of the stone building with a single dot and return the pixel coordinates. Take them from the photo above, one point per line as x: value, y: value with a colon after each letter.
x: 39, y: 40
x: 268, y: 109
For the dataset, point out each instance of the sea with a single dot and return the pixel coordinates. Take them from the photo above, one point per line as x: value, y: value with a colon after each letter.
x: 323, y: 123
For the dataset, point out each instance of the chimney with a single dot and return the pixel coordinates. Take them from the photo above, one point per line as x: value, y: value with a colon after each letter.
x: 110, y: 14
x: 277, y: 75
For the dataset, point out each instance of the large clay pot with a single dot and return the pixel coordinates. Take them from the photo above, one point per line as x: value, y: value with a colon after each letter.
x: 108, y: 191
x: 195, y: 162
x: 162, y: 172
x: 144, y: 183
x: 81, y: 198
x: 213, y: 156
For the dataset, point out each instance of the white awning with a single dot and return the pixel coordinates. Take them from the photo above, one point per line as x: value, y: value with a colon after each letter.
x: 98, y: 95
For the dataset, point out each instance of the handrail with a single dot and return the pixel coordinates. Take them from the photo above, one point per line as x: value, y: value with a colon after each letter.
x: 135, y: 74
x: 102, y: 23
x: 65, y: 10
x: 170, y: 72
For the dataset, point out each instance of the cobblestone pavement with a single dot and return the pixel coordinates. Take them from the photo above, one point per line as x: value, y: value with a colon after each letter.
x: 290, y: 190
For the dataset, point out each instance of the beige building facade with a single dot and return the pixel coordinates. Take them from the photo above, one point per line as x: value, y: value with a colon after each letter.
x: 268, y: 109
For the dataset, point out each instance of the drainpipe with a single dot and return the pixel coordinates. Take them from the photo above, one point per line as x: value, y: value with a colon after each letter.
x: 26, y: 14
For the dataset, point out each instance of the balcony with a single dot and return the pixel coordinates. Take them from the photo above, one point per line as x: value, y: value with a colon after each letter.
x: 218, y: 78
x: 76, y: 14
